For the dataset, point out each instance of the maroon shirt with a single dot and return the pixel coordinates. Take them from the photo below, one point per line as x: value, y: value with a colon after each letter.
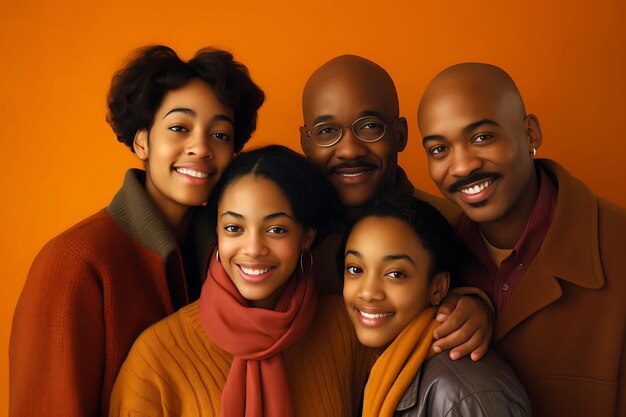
x: 499, y: 283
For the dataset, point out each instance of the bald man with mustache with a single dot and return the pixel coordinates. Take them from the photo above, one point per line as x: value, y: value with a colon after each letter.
x: 353, y: 132
x: 551, y: 255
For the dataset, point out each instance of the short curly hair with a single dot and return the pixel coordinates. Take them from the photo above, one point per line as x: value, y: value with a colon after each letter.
x: 437, y: 236
x: 138, y: 89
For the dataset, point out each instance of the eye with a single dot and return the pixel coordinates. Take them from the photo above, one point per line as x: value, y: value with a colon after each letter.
x: 373, y: 125
x: 437, y: 150
x: 277, y: 230
x: 353, y: 270
x: 221, y: 136
x: 482, y: 137
x: 178, y: 129
x: 231, y: 228
x: 396, y: 274
x: 326, y: 130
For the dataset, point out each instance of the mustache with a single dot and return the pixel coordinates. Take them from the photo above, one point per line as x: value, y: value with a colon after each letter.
x: 353, y: 164
x: 472, y: 178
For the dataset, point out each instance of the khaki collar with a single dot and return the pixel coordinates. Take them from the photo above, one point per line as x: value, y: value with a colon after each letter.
x: 137, y: 215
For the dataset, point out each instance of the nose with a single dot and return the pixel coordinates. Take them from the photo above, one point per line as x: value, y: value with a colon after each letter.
x: 371, y: 288
x: 349, y: 146
x: 464, y: 162
x: 199, y: 144
x: 254, y: 245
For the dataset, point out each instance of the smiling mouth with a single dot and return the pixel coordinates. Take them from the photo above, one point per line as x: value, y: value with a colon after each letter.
x: 476, y: 188
x: 192, y: 173
x: 255, y: 271
x: 374, y: 315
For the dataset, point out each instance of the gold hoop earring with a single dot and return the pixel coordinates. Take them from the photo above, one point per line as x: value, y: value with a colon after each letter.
x: 302, y: 257
x: 533, y: 152
x: 217, y: 255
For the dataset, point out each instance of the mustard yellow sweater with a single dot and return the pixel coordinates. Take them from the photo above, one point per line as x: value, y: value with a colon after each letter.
x: 174, y: 369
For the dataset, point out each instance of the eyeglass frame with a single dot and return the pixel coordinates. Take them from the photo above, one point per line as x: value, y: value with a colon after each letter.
x: 351, y: 126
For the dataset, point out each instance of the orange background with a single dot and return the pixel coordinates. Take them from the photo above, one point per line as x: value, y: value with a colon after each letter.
x: 63, y: 163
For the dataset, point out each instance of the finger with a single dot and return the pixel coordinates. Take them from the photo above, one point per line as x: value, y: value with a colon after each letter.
x: 450, y: 324
x: 448, y: 305
x: 473, y: 343
x: 458, y: 338
x: 478, y: 353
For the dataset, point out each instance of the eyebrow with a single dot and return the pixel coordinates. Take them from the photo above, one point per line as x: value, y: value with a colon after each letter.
x: 190, y: 112
x: 466, y: 129
x: 400, y: 256
x: 388, y: 258
x: 364, y: 113
x: 268, y: 217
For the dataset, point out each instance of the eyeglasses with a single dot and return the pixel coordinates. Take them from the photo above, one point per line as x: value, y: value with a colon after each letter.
x: 367, y: 129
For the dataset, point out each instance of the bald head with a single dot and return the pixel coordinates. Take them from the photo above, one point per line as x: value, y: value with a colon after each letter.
x: 474, y: 81
x: 341, y: 92
x: 351, y: 71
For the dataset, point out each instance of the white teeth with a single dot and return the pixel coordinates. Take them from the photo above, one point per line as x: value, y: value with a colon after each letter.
x: 375, y: 316
x: 251, y: 271
x: 351, y: 175
x: 192, y: 173
x: 477, y: 188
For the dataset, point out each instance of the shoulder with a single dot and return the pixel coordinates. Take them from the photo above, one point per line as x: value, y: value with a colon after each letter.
x: 475, y: 387
x: 90, y: 237
x: 176, y: 331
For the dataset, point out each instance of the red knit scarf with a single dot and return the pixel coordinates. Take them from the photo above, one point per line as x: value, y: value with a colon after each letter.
x: 257, y: 384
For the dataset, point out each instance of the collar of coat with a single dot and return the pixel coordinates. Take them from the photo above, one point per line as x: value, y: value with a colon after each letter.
x: 570, y: 252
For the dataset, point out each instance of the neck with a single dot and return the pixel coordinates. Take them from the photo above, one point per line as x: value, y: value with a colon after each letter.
x: 177, y: 216
x: 504, y: 232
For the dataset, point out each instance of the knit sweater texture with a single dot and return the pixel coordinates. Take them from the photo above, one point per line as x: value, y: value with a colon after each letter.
x: 90, y: 292
x: 174, y: 369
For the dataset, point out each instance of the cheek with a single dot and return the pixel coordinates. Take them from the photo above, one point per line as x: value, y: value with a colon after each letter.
x: 437, y: 170
x: 228, y: 247
x: 384, y: 151
x: 409, y: 300
x: 349, y: 290
x: 223, y: 155
x: 319, y: 156
x: 288, y: 251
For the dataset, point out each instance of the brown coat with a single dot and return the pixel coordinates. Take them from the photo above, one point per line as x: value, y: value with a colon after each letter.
x: 564, y: 329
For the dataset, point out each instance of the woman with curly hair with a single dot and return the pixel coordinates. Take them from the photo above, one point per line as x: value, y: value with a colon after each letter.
x: 95, y: 287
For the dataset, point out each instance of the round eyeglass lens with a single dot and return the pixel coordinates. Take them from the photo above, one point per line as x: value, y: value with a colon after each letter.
x: 369, y: 129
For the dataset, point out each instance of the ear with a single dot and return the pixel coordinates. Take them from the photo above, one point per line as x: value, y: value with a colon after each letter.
x: 304, y: 142
x: 140, y: 144
x: 533, y: 131
x: 309, y: 236
x: 438, y: 288
x: 402, y: 131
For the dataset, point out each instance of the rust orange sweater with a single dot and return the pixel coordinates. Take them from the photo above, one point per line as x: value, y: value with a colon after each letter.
x: 90, y: 292
x: 174, y: 369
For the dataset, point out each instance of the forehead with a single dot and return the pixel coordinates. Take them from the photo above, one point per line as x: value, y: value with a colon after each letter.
x: 196, y: 95
x: 345, y: 98
x: 455, y: 108
x: 381, y: 236
x: 254, y: 195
